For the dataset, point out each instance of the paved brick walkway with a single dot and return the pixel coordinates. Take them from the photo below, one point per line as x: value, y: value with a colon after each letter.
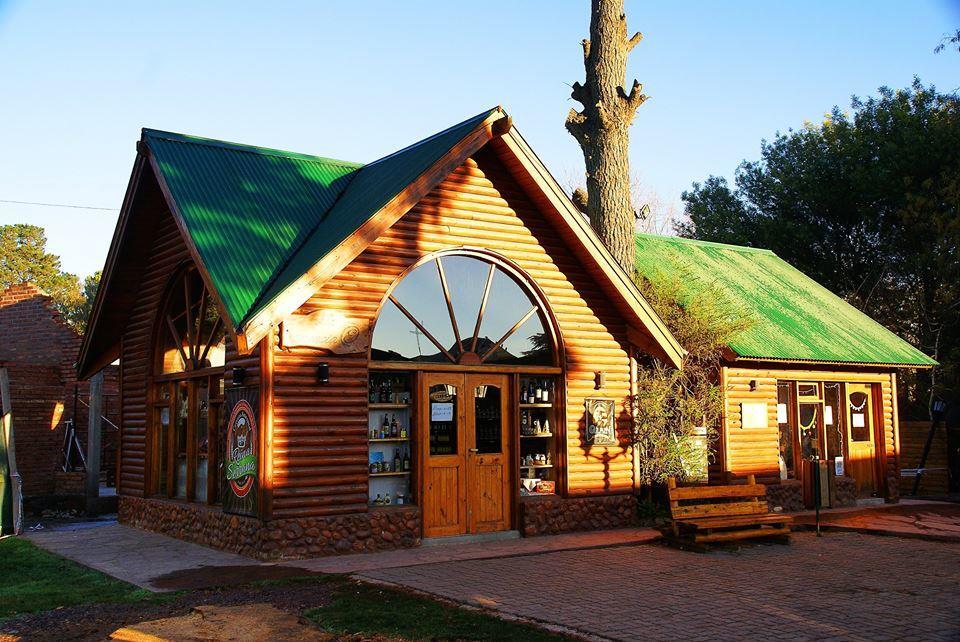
x: 841, y: 586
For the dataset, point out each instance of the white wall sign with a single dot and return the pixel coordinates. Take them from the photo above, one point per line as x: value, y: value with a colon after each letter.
x: 858, y: 420
x: 781, y: 413
x: 753, y: 414
x: 838, y: 466
x: 828, y: 416
x: 441, y: 411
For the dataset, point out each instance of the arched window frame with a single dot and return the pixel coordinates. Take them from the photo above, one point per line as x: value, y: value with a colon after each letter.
x: 495, y: 261
x: 186, y: 404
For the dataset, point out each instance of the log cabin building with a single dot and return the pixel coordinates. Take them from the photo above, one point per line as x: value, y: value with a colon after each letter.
x: 323, y: 357
x: 808, y: 376
x: 320, y: 356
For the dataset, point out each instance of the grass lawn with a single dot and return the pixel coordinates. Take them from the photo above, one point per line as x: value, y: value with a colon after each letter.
x: 32, y: 580
x: 366, y: 609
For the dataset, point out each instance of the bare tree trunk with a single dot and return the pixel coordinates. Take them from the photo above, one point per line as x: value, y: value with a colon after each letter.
x: 601, y: 128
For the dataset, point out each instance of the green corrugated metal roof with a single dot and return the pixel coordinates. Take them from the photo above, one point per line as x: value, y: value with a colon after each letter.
x: 260, y: 218
x: 246, y: 208
x: 792, y: 316
x: 371, y: 188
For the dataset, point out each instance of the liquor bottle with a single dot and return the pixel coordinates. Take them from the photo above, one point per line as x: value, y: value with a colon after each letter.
x: 546, y: 391
x: 386, y: 500
x: 389, y: 390
x: 397, y: 462
x: 378, y: 500
x: 524, y: 423
x: 539, y: 392
x: 406, y: 461
x: 403, y: 431
x: 373, y: 392
x: 394, y: 427
x: 385, y: 427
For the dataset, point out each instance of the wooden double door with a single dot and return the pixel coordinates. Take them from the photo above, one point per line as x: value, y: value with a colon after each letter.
x: 465, y: 450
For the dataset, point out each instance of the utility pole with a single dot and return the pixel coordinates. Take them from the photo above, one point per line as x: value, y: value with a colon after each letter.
x: 94, y: 426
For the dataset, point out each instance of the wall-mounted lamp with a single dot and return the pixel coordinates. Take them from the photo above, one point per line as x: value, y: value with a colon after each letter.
x: 599, y: 380
x: 239, y: 375
x: 323, y: 373
x: 753, y: 385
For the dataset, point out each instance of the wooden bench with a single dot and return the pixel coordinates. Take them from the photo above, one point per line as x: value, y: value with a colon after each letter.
x: 707, y: 514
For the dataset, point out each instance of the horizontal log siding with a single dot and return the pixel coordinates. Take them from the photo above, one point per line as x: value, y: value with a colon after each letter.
x: 320, y: 432
x: 162, y: 260
x: 756, y: 450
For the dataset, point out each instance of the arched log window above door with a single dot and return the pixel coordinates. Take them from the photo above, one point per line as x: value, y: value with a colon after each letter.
x: 188, y: 391
x: 467, y: 309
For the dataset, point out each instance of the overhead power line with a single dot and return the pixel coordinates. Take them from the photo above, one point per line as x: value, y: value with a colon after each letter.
x: 75, y: 207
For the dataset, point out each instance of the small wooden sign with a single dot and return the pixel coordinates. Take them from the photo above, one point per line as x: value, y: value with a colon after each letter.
x: 601, y: 422
x: 328, y: 329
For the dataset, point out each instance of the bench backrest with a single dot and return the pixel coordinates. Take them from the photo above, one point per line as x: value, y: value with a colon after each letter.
x: 690, y: 502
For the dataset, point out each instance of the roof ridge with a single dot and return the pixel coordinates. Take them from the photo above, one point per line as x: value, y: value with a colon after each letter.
x: 484, y: 113
x: 681, y: 239
x: 242, y: 147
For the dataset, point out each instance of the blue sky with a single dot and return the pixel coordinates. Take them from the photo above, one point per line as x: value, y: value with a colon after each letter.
x: 356, y: 80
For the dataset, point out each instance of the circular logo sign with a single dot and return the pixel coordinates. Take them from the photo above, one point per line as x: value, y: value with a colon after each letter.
x: 241, y: 449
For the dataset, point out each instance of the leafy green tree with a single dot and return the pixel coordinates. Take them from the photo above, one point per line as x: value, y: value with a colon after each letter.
x: 949, y: 41
x: 24, y: 259
x: 672, y: 404
x: 868, y: 204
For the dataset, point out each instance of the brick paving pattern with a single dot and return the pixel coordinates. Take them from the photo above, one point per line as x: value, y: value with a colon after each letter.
x: 846, y: 586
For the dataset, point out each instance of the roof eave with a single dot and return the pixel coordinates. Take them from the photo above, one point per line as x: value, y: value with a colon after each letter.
x: 837, y: 363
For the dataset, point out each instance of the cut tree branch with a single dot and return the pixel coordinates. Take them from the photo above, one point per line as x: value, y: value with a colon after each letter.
x: 634, y: 41
x: 580, y: 94
x: 574, y: 125
x: 586, y: 48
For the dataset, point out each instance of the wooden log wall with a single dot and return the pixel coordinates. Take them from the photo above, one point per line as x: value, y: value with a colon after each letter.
x: 913, y: 436
x: 756, y: 451
x: 320, y: 432
x: 161, y: 261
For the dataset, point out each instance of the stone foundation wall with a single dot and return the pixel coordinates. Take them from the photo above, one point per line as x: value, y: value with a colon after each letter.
x: 549, y: 515
x: 845, y: 491
x: 788, y: 495
x: 376, y: 530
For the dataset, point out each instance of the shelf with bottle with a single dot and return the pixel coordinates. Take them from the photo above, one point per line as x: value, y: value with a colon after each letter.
x: 390, y: 390
x: 538, y: 439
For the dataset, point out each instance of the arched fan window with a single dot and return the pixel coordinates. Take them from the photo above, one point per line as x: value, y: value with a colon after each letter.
x: 192, y: 331
x: 188, y: 392
x: 462, y: 309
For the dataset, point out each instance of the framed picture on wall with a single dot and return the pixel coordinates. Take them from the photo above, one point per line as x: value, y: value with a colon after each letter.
x: 601, y: 422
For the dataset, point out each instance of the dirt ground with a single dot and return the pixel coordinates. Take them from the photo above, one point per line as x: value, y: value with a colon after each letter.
x: 99, y: 621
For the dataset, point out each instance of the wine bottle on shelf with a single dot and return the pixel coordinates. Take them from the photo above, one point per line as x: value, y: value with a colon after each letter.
x: 394, y: 427
x: 546, y: 391
x: 397, y: 462
x: 373, y: 392
x: 406, y: 461
x: 386, y: 500
x: 385, y: 427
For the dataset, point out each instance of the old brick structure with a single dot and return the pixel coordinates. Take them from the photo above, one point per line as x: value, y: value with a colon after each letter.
x: 39, y: 351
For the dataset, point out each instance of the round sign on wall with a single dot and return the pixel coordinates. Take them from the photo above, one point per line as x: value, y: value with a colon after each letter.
x: 241, y: 452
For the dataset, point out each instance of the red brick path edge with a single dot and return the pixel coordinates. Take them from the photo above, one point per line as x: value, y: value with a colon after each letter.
x: 934, y: 521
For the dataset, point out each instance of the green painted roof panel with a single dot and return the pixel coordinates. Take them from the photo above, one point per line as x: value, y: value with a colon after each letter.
x: 260, y: 218
x: 246, y: 208
x: 793, y: 317
x: 372, y: 188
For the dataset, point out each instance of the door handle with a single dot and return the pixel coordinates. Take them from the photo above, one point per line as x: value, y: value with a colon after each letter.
x: 473, y: 450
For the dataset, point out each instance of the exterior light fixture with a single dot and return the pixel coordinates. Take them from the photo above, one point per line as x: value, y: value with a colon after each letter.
x: 239, y: 375
x: 323, y: 372
x: 599, y: 380
x: 938, y: 407
x: 753, y: 385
